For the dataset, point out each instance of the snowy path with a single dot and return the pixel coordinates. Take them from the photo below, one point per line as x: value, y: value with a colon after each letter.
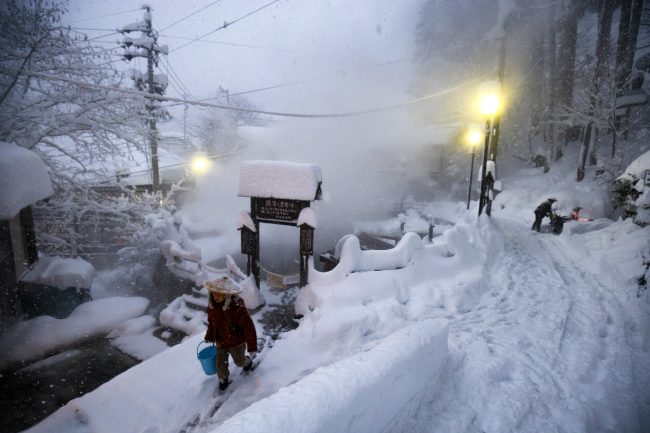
x: 547, y: 348
x: 541, y: 337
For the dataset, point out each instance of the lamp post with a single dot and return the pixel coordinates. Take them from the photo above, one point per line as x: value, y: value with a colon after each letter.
x: 473, y: 138
x: 489, y: 107
x: 200, y: 163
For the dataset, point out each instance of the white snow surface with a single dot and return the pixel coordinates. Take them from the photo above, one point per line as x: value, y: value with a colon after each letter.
x: 24, y: 179
x: 489, y: 328
x: 307, y: 216
x: 245, y: 220
x: 61, y: 272
x: 37, y: 337
x: 637, y: 168
x: 279, y: 179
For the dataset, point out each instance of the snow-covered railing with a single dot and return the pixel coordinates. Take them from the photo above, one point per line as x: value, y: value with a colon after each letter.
x: 354, y: 259
x: 358, y: 393
x: 183, y: 259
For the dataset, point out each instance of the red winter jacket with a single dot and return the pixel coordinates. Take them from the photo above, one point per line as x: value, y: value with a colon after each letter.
x: 231, y: 327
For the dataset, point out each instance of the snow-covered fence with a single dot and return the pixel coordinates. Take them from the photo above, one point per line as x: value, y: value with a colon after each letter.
x: 362, y: 393
x: 354, y: 259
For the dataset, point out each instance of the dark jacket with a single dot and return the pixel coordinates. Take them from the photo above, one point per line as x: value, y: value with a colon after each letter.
x: 232, y: 326
x: 545, y: 208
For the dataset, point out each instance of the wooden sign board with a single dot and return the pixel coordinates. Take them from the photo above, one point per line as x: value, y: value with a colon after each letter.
x: 306, y: 240
x: 278, y: 211
x: 248, y: 244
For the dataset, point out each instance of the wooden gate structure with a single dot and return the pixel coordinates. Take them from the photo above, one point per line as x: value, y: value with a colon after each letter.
x: 281, y: 192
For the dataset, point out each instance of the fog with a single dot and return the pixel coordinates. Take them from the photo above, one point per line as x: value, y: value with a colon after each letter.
x: 363, y: 163
x: 318, y: 58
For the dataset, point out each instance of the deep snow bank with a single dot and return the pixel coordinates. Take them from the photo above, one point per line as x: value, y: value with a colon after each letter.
x: 161, y: 391
x: 30, y: 339
x: 362, y: 393
x: 354, y: 361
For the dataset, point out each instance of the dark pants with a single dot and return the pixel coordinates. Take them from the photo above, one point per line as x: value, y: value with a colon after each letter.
x: 238, y: 356
x: 538, y: 221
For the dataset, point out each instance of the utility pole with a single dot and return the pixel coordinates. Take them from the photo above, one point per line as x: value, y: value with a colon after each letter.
x: 153, y: 132
x: 155, y: 84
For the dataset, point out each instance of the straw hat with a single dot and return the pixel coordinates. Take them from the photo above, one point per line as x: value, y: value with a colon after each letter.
x: 223, y: 285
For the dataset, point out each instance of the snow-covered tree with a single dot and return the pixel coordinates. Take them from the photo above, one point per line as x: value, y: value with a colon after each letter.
x: 45, y: 101
x: 48, y: 104
x: 567, y: 71
x: 217, y: 130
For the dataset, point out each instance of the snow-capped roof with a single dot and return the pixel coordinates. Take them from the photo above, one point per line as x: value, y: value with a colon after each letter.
x: 637, y: 168
x: 245, y: 220
x: 61, y: 273
x: 24, y: 179
x: 307, y: 216
x: 279, y: 179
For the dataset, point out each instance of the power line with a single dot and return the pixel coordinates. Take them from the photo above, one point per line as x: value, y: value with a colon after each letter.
x: 114, y: 32
x: 319, y: 77
x: 190, y: 15
x: 172, y: 74
x: 235, y: 44
x: 330, y: 75
x: 104, y: 16
x: 248, y: 110
x: 226, y: 24
x: 94, y: 29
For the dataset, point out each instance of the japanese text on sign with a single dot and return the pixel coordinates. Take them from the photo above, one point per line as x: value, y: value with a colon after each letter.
x: 279, y: 209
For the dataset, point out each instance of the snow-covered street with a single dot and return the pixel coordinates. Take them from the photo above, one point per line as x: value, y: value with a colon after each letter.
x: 543, y: 336
x: 369, y: 216
x: 549, y: 347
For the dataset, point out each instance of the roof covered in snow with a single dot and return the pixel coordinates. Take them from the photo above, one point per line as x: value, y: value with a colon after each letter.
x: 24, y: 179
x: 61, y: 272
x: 279, y: 179
x: 636, y: 170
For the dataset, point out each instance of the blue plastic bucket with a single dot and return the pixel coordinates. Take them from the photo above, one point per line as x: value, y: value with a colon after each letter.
x: 208, y: 358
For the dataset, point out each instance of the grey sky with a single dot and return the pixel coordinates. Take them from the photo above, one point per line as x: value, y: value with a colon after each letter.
x: 303, y: 39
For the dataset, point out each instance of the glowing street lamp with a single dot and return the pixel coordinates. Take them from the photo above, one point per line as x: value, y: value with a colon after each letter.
x: 200, y: 164
x: 489, y: 106
x: 473, y: 138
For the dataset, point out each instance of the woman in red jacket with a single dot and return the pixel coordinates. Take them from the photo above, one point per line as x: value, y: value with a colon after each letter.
x: 230, y: 327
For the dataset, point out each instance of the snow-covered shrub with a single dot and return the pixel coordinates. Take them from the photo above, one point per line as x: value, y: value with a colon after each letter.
x: 631, y: 194
x: 91, y: 224
x: 624, y: 196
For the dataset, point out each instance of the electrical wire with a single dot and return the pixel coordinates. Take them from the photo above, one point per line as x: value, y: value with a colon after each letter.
x: 190, y: 15
x: 173, y: 75
x: 234, y: 44
x: 248, y: 110
x: 94, y: 29
x: 105, y: 16
x: 226, y: 24
x: 115, y: 32
x: 330, y: 75
x: 292, y: 83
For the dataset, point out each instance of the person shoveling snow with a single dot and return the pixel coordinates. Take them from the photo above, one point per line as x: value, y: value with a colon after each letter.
x: 543, y: 210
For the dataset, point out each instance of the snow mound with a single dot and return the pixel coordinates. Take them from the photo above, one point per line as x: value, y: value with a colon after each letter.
x: 27, y: 340
x: 355, y: 394
x: 24, y: 179
x: 61, y: 273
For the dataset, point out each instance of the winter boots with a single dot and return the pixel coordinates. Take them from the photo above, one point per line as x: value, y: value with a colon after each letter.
x: 248, y: 365
x: 223, y: 384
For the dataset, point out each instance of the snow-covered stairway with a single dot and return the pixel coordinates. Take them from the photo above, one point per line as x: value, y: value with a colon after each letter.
x: 187, y: 313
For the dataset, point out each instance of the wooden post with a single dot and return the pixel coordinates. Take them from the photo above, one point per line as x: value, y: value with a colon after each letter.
x: 255, y: 256
x: 306, y: 250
